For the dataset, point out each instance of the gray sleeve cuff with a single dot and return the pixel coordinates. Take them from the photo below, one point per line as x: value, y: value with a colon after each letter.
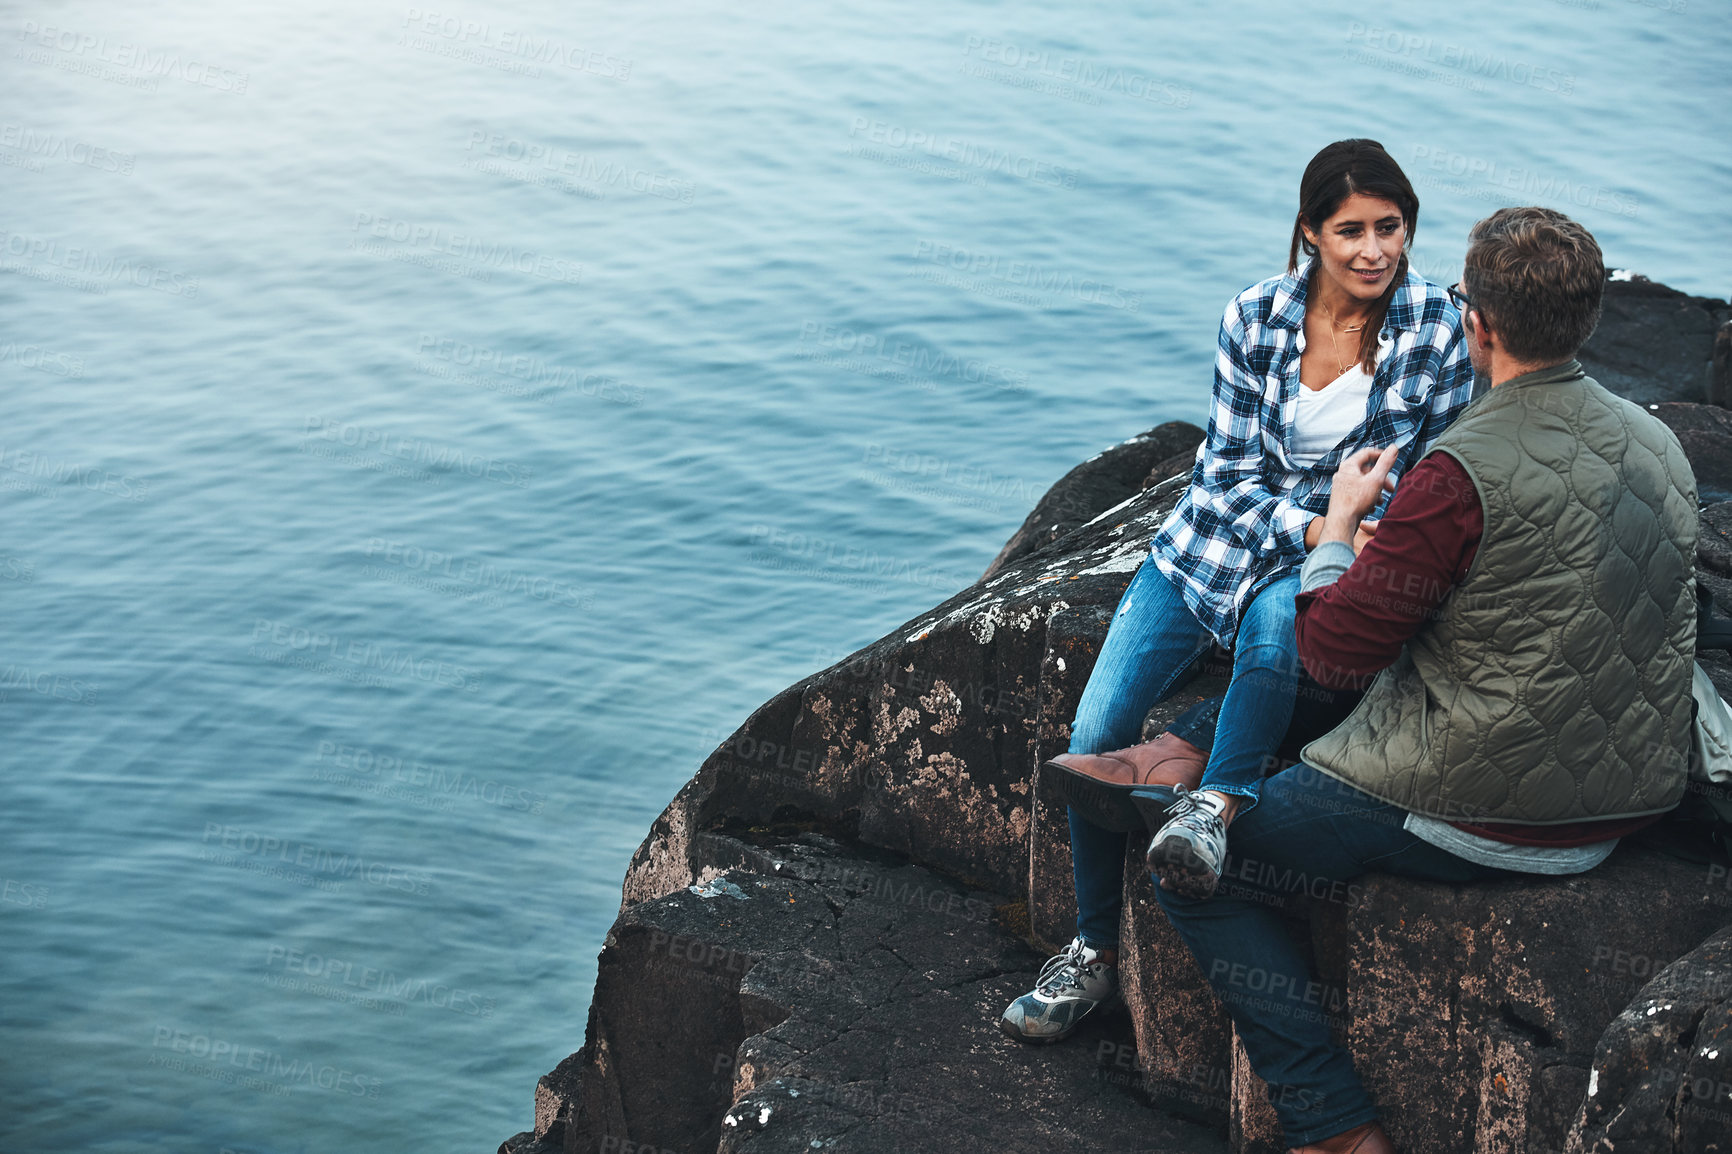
x: 1325, y: 564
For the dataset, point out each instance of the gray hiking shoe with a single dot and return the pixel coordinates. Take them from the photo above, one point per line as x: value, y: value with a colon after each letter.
x: 1070, y: 985
x: 1188, y: 851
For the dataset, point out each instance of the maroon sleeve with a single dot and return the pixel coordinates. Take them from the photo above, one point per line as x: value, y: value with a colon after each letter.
x: 1425, y: 544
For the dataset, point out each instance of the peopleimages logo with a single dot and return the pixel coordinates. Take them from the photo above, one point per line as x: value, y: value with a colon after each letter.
x: 374, y: 980
x: 1517, y: 181
x: 1411, y: 47
x: 52, y: 146
x: 314, y: 859
x: 538, y: 376
x: 417, y: 451
x: 361, y: 656
x: 971, y: 264
x: 828, y: 555
x: 228, y: 1060
x: 514, y: 42
x: 84, y: 49
x: 1074, y: 70
x: 376, y: 766
x: 46, y: 683
x: 931, y: 467
x: 436, y: 239
x: 919, y: 361
x: 562, y: 162
x: 481, y: 574
x: 86, y: 477
x: 965, y: 152
x: 90, y: 262
x: 42, y: 360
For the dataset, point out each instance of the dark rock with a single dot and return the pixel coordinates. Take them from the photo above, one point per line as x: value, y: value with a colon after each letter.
x: 1705, y: 432
x: 1099, y: 483
x: 1714, y: 573
x: 1720, y: 387
x: 1655, y: 344
x: 1714, y: 539
x: 845, y: 1003
x: 1662, y: 1074
x: 553, y: 1095
x: 1718, y: 667
x: 1173, y: 466
x: 1475, y: 1009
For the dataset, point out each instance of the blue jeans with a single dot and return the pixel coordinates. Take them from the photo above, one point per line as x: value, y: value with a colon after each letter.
x: 1311, y: 834
x: 1152, y: 641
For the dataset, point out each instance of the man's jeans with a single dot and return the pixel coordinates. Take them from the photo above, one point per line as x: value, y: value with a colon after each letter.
x: 1152, y: 641
x: 1310, y: 834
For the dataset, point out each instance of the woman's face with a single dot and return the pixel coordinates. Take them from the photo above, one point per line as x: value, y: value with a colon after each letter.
x: 1359, y: 247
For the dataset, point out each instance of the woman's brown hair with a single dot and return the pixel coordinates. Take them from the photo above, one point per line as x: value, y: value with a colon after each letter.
x: 1334, y: 174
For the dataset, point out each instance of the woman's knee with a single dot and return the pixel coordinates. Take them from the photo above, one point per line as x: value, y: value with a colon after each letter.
x: 1139, y: 663
x: 1273, y: 610
x: 1266, y: 657
x: 1107, y: 712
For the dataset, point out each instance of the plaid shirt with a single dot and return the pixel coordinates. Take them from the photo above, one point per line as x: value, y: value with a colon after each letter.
x: 1240, y: 525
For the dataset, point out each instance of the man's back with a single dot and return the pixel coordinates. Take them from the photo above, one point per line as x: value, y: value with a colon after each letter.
x: 1553, y: 685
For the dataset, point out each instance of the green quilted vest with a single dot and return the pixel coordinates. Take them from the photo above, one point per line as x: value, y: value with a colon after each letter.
x: 1552, y: 685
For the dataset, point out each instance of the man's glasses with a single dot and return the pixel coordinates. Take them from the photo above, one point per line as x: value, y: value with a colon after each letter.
x: 1461, y: 299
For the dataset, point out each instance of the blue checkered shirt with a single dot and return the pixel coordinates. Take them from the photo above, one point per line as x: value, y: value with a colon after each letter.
x: 1240, y: 525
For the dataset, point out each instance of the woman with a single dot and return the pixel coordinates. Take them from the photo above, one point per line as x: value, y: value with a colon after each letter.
x: 1351, y: 349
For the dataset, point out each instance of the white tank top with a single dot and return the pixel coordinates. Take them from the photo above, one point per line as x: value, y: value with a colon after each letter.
x: 1325, y: 416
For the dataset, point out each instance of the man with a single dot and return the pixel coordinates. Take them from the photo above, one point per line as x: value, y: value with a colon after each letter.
x: 1525, y: 616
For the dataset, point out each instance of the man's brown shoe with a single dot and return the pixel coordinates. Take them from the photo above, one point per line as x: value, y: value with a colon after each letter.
x: 1366, y: 1139
x: 1099, y: 785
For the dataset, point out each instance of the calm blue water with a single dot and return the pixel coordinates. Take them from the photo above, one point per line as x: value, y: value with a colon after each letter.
x: 427, y: 434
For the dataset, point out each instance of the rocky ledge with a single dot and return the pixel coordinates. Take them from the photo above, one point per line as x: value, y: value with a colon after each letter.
x: 819, y: 932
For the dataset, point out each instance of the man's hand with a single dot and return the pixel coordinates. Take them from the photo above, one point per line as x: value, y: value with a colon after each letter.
x: 1359, y: 482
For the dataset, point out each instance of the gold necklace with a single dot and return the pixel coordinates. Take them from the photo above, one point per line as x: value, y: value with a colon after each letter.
x: 1333, y: 343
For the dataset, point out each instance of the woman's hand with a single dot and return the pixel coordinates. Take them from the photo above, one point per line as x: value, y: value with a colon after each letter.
x: 1367, y: 530
x: 1359, y: 482
x: 1314, y: 534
